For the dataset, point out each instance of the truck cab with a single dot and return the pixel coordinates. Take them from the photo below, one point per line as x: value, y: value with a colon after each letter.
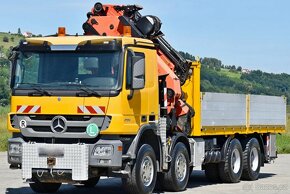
x: 72, y: 92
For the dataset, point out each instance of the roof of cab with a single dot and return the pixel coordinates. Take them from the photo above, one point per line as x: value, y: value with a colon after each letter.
x: 76, y: 40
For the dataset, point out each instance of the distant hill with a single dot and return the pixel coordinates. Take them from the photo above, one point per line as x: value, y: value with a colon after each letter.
x: 13, y: 40
x: 215, y: 76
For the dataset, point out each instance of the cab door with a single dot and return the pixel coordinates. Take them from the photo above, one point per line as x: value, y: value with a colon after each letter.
x: 140, y: 105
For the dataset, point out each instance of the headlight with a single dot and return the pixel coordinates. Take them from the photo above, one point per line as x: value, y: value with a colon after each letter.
x: 103, y: 150
x: 15, y: 159
x: 15, y: 148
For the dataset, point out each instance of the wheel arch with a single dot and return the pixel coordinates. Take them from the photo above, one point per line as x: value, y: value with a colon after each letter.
x: 146, y: 135
x: 180, y: 137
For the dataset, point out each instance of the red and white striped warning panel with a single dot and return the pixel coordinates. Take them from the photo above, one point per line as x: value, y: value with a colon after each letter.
x: 28, y: 109
x: 91, y: 109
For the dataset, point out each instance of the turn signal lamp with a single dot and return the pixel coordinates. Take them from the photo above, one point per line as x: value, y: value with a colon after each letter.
x: 127, y: 31
x: 61, y: 31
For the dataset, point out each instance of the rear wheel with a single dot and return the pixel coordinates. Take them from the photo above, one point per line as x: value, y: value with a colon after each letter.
x: 40, y: 187
x: 212, y: 172
x: 231, y: 169
x: 176, y: 178
x: 142, y: 179
x: 252, y: 160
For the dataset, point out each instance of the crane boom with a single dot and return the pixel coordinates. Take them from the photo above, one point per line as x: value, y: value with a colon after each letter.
x: 110, y: 20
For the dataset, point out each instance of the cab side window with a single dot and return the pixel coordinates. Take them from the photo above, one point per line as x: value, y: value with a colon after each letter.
x: 129, y: 69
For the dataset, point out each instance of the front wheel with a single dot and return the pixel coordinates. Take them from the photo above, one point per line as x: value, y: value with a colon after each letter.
x: 176, y: 178
x: 142, y: 178
x: 40, y: 187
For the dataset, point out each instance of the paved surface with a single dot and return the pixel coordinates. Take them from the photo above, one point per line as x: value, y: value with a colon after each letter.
x: 274, y: 178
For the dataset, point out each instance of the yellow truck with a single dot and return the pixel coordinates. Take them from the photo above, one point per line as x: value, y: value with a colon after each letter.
x: 121, y: 102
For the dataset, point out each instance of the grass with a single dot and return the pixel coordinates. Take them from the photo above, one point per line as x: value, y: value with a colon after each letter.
x: 11, y: 42
x: 4, y: 134
x: 230, y: 74
x: 283, y: 143
x: 283, y: 140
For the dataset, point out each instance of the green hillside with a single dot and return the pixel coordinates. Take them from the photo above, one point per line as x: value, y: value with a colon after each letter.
x: 230, y: 74
x: 13, y: 39
x: 217, y: 77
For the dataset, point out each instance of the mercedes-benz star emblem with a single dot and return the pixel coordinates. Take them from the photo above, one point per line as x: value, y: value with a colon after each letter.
x: 58, y: 124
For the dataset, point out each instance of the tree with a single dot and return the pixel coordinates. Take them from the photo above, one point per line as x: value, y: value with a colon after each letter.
x: 239, y: 68
x: 187, y: 56
x: 19, y: 31
x: 5, y: 39
x: 211, y: 62
x: 218, y: 68
x: 233, y: 67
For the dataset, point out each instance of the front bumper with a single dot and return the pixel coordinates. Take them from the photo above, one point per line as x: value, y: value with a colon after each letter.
x: 76, y: 158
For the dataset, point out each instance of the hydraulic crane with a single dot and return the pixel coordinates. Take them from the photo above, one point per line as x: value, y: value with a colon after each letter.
x: 114, y: 20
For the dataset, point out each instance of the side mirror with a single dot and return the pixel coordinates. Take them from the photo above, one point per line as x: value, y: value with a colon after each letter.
x: 138, y: 72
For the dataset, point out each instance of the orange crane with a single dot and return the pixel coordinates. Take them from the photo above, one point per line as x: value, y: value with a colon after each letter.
x: 120, y: 20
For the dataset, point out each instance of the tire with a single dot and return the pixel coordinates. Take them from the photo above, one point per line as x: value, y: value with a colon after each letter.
x: 212, y: 172
x: 252, y: 160
x: 231, y: 169
x: 176, y: 178
x: 40, y: 187
x: 90, y: 183
x: 142, y: 178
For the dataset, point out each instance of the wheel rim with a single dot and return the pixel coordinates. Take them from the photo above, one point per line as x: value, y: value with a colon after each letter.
x: 254, y: 159
x: 236, y: 161
x: 180, y: 167
x: 147, y: 171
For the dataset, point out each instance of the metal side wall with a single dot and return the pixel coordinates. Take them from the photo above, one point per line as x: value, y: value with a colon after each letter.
x: 227, y: 114
x: 267, y: 110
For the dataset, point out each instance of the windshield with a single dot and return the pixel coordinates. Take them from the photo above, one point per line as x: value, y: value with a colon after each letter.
x: 68, y: 70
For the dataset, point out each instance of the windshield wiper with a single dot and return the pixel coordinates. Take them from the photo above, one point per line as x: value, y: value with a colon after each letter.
x: 39, y: 92
x: 88, y: 92
x: 80, y: 86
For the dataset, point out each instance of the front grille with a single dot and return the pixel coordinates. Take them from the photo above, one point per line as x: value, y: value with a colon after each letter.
x: 41, y: 125
x: 67, y: 117
x: 69, y: 129
x: 76, y: 129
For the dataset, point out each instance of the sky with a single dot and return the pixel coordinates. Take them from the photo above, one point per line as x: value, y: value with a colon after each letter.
x: 254, y: 34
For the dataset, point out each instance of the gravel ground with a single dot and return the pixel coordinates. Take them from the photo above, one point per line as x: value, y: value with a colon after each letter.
x: 274, y: 178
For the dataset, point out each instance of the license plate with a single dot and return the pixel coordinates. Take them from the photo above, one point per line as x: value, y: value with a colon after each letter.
x: 50, y: 152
